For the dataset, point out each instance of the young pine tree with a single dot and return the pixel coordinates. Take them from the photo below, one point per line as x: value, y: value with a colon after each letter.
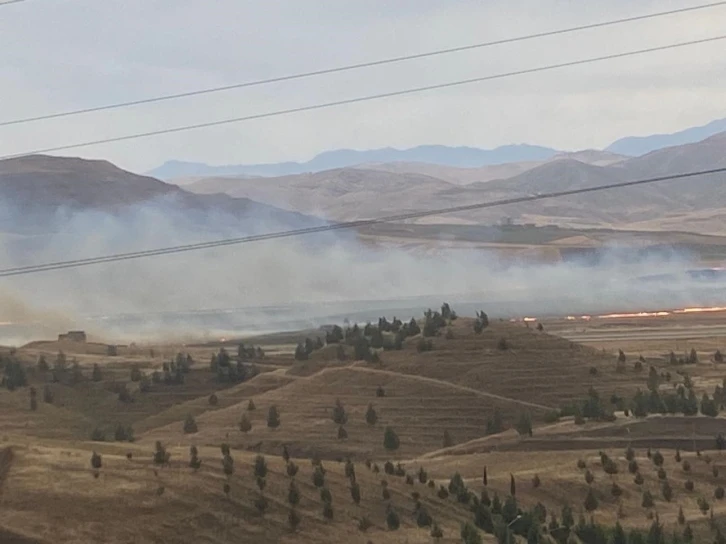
x: 273, y: 417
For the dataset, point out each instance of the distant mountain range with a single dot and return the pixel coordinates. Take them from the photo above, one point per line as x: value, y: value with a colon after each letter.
x: 435, y: 154
x: 366, y: 191
x: 636, y: 146
x: 459, y: 157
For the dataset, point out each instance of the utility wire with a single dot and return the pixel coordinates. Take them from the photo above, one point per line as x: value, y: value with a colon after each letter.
x: 340, y: 226
x: 366, y: 98
x: 358, y: 66
x: 8, y: 2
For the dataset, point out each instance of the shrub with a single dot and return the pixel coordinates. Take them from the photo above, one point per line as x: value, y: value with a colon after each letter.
x: 689, y: 485
x: 591, y: 503
x: 273, y: 418
x: 328, y: 510
x: 423, y: 519
x: 390, y: 439
x: 581, y: 464
x: 96, y: 461
x: 647, y: 501
x: 251, y: 406
x: 443, y: 493
x: 364, y: 524
x: 667, y: 491
x: 342, y: 433
x: 502, y: 344
x: 392, y: 520
x: 638, y: 480
x: 536, y: 482
x: 424, y: 345
x: 261, y: 504
x: 470, y: 534
x: 244, y: 424
x: 293, y: 519
x: 633, y: 466
x: 339, y: 415
x: 190, y: 425
x: 589, y: 477
x: 686, y: 466
x: 662, y: 474
x: 371, y: 416
x: 718, y: 493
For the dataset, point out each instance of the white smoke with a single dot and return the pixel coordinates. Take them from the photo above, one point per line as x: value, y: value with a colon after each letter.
x: 301, y: 281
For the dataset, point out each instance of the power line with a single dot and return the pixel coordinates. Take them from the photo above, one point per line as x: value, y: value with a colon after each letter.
x: 8, y: 2
x: 18, y: 271
x: 367, y: 98
x: 358, y: 66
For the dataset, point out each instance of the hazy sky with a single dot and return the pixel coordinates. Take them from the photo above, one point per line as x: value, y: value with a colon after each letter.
x: 66, y: 54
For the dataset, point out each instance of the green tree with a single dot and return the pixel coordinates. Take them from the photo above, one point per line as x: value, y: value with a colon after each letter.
x: 260, y: 467
x: 273, y: 417
x: 512, y: 485
x: 483, y: 518
x: 619, y: 536
x: 371, y: 416
x: 190, y: 425
x: 591, y: 502
x: 647, y: 501
x: 524, y: 425
x: 470, y: 534
x: 293, y: 494
x: 392, y: 520
x: 339, y: 415
x: 390, y: 439
x: 96, y: 461
x: 194, y: 461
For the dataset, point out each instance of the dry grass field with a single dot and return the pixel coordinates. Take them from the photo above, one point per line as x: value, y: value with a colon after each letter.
x: 49, y: 493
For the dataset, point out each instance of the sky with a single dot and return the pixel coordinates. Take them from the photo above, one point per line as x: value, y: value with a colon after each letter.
x: 57, y: 55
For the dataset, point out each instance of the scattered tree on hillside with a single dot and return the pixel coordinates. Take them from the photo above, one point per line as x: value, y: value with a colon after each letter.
x: 512, y: 486
x: 484, y: 476
x: 42, y: 364
x: 718, y: 357
x: 371, y: 416
x: 647, y: 501
x: 244, y: 424
x: 339, y: 416
x: 524, y: 425
x: 33, y: 399
x: 380, y: 392
x: 591, y: 502
x: 293, y: 520
x: 536, y: 482
x: 273, y: 417
x: 392, y: 520
x: 448, y: 441
x: 355, y: 492
x: 96, y: 463
x: 692, y: 357
x: 190, y: 425
x: 318, y: 477
x: 96, y: 374
x: 436, y: 533
x: 251, y: 406
x: 194, y: 461
x: 470, y: 534
x: 123, y: 434
x: 213, y: 400
x: 342, y: 433
x: 502, y: 344
x: 301, y: 353
x: 390, y: 439
x: 161, y: 456
x: 495, y: 424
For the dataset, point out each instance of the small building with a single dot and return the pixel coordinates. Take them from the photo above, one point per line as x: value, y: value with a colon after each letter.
x: 73, y: 336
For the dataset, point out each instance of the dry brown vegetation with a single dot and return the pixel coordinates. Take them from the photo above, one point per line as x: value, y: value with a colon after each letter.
x: 50, y: 494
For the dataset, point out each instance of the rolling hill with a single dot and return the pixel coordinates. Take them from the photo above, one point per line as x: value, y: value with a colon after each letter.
x: 39, y: 190
x: 355, y: 193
